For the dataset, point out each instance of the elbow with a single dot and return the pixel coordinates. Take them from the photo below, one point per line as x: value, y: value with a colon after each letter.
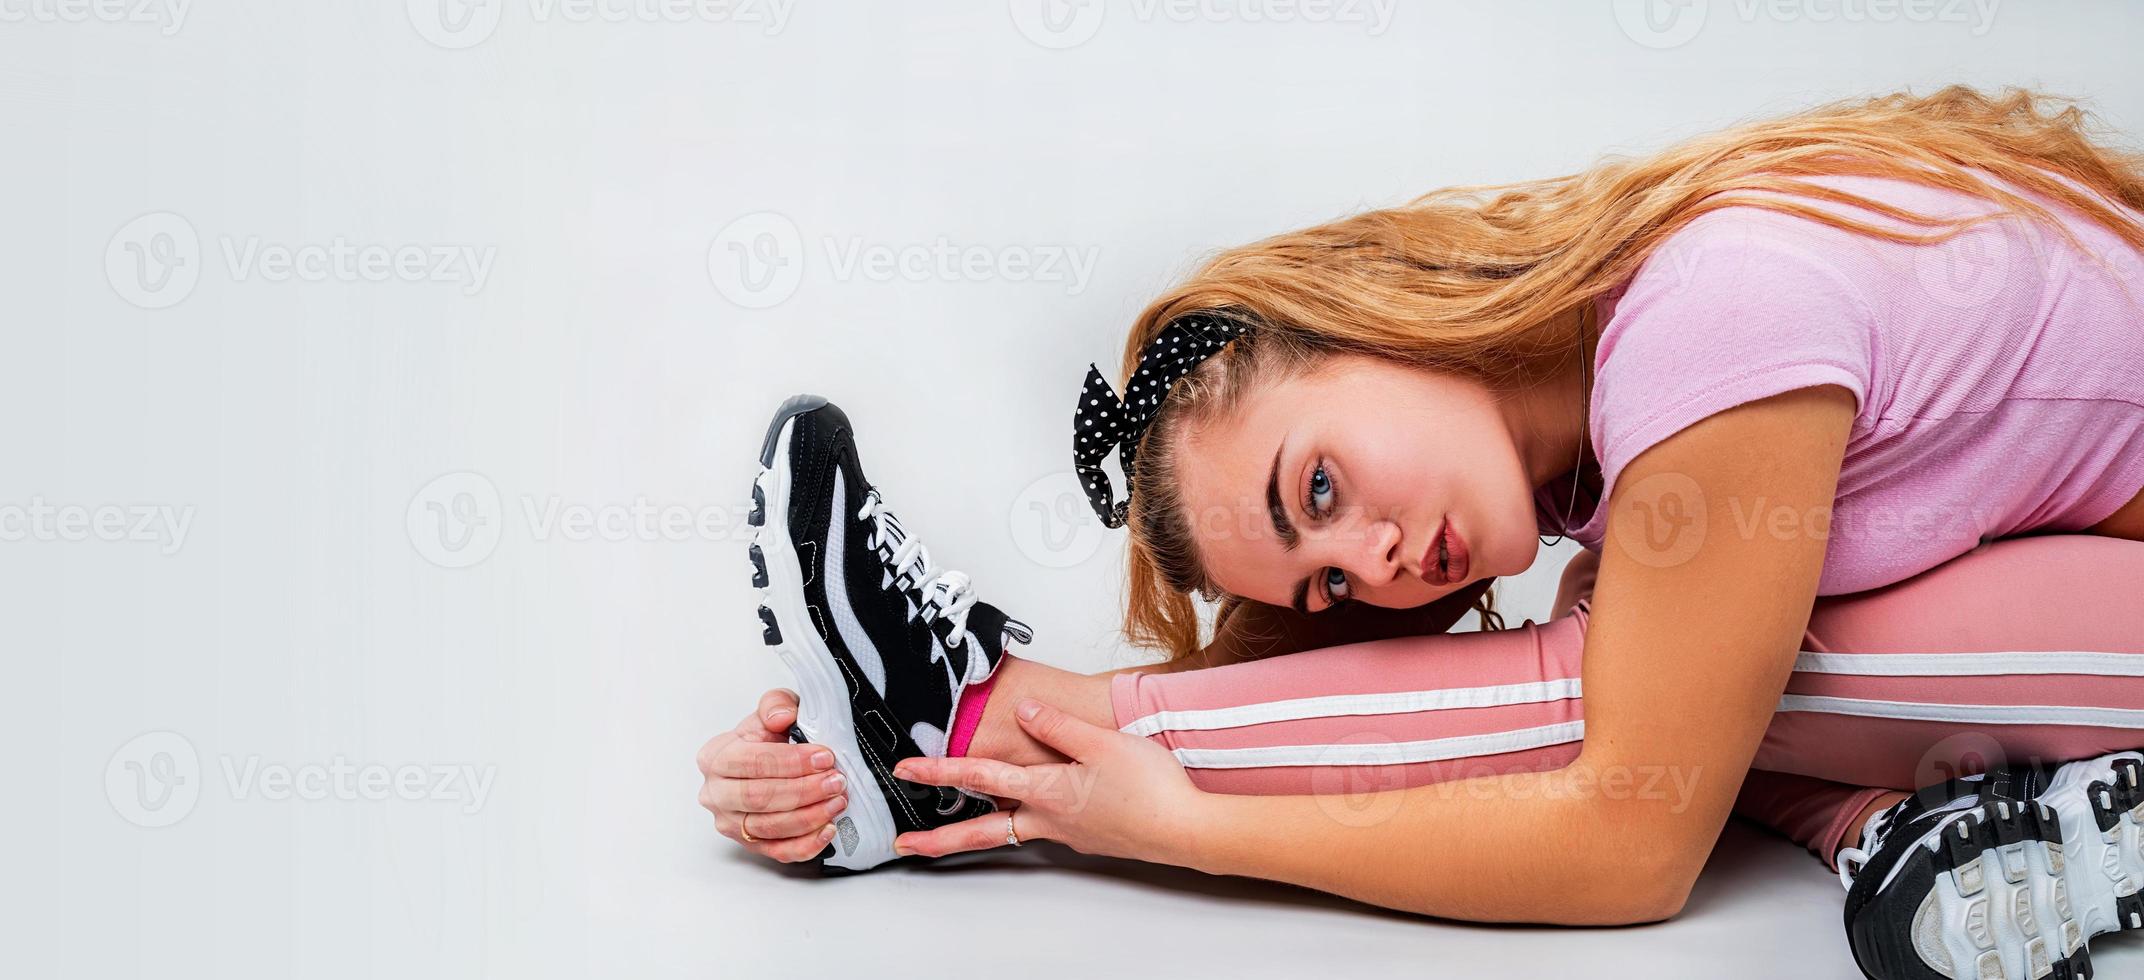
x: 1657, y: 899
x: 1583, y: 894
x: 1636, y: 890
x: 1635, y: 861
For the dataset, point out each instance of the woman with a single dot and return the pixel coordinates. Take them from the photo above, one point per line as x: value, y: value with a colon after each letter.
x: 1845, y: 354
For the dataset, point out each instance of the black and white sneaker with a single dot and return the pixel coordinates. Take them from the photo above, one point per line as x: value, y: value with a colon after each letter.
x: 2003, y: 877
x: 882, y: 643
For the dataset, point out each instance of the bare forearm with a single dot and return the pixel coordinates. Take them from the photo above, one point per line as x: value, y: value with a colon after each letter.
x: 1572, y: 847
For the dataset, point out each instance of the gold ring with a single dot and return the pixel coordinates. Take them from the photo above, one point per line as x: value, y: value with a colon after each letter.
x: 1011, y: 837
x: 748, y: 838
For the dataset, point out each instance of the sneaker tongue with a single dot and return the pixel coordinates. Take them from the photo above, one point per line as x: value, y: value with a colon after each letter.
x: 997, y: 631
x: 993, y: 634
x: 1015, y: 632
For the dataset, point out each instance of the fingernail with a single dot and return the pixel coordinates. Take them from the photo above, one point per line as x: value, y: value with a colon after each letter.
x: 901, y: 849
x: 822, y: 760
x: 776, y: 716
x: 1029, y: 708
x: 833, y: 783
x: 826, y: 833
x: 840, y: 803
x: 902, y: 770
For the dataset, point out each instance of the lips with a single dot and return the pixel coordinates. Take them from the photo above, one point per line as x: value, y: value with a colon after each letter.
x: 1454, y: 567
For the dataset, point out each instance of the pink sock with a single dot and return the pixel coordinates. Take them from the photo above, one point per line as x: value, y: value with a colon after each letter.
x: 969, y: 716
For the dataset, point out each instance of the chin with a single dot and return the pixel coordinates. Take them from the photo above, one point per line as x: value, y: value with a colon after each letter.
x: 1499, y: 558
x: 1523, y: 558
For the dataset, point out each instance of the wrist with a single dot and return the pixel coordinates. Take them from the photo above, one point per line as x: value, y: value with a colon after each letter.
x: 1189, y: 830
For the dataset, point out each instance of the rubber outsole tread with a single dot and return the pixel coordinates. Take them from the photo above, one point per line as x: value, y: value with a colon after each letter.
x: 2012, y: 903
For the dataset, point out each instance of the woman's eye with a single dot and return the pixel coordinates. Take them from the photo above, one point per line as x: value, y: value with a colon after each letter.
x: 1321, y: 491
x: 1335, y: 585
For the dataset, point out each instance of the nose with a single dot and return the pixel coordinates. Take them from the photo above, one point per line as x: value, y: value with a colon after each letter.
x: 1376, y: 561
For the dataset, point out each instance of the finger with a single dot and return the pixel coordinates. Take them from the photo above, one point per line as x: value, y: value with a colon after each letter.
x: 753, y: 728
x: 800, y: 849
x: 987, y: 776
x: 787, y: 849
x: 792, y: 850
x: 711, y: 750
x: 977, y: 834
x: 1053, y: 727
x: 770, y: 760
x: 791, y: 823
x: 769, y: 795
x: 776, y: 712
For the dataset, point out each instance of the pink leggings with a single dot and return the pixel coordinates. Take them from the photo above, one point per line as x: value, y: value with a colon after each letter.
x: 2030, y: 650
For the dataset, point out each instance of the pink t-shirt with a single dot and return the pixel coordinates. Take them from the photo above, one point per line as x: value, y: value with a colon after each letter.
x: 1999, y: 377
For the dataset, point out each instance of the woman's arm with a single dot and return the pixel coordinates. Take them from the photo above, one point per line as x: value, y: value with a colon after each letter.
x: 1715, y: 544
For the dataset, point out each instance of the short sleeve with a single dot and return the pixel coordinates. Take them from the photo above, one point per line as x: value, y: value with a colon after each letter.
x: 1740, y: 305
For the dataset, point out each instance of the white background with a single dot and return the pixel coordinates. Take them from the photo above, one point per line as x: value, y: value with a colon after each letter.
x: 621, y: 353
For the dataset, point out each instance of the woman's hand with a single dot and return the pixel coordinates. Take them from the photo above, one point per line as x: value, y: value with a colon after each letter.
x: 1121, y: 795
x: 786, y: 796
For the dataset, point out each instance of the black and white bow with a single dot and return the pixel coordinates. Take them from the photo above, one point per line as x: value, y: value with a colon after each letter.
x: 1103, y: 421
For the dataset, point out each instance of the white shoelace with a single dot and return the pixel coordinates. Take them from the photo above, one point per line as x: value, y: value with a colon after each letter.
x: 1853, y: 859
x: 947, y: 594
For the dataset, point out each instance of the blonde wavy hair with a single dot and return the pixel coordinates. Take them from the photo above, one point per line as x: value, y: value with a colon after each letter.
x: 1496, y: 282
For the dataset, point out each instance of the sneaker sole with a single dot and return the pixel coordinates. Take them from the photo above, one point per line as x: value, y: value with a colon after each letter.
x: 2017, y: 892
x: 864, y: 831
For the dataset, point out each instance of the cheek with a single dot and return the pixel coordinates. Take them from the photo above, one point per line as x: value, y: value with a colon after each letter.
x: 1499, y: 504
x: 1397, y: 478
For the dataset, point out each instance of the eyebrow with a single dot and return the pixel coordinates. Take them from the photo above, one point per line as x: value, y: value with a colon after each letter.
x: 1300, y: 601
x: 1279, y: 512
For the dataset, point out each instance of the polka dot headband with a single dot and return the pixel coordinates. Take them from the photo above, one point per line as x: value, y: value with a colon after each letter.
x: 1104, y: 421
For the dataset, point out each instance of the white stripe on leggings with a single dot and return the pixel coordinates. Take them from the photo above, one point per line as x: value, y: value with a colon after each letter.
x: 1385, y: 753
x: 1494, y: 743
x: 1971, y: 664
x: 1969, y: 714
x: 1344, y: 705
